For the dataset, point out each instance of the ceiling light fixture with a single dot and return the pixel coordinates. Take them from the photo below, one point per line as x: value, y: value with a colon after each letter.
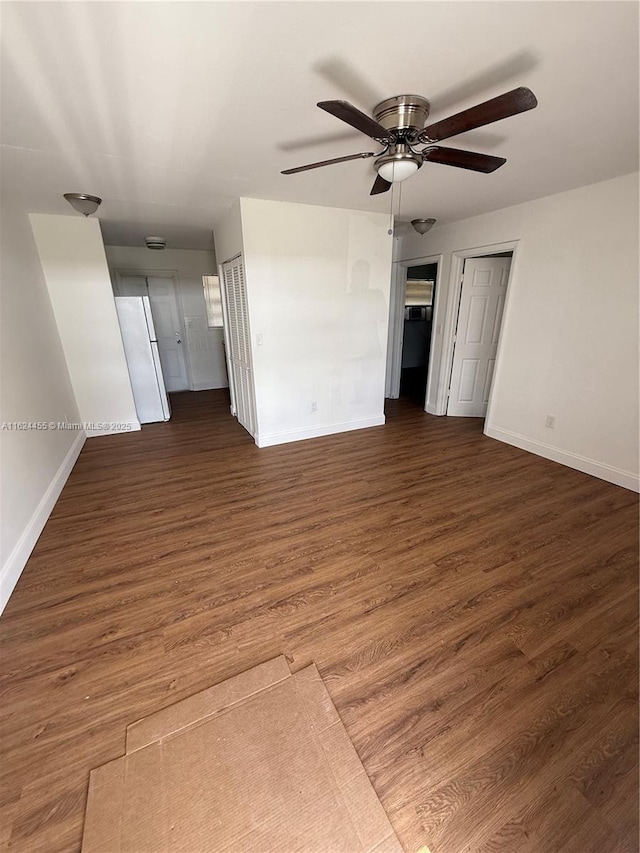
x: 398, y: 164
x: 83, y: 203
x: 155, y: 242
x: 423, y: 225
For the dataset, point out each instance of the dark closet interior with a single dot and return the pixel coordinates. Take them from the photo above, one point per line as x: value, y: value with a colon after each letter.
x: 416, y: 341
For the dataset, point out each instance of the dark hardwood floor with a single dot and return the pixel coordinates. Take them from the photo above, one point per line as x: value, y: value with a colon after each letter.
x: 472, y: 608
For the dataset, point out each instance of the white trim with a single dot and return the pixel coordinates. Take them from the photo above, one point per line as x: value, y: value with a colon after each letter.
x: 626, y: 479
x: 17, y: 559
x: 451, y: 318
x: 395, y: 332
x: 315, y: 432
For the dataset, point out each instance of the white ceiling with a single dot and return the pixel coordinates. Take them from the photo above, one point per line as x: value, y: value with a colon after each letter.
x: 169, y: 111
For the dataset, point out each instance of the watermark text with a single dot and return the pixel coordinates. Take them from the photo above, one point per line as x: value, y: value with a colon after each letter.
x: 43, y: 426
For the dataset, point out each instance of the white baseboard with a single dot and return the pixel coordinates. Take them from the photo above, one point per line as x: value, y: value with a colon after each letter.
x: 315, y: 432
x: 626, y: 479
x: 17, y: 560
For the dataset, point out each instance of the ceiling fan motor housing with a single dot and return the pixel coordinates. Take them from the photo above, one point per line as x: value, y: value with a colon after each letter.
x: 404, y: 114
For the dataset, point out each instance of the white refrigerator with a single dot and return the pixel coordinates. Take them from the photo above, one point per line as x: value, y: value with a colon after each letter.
x: 143, y: 359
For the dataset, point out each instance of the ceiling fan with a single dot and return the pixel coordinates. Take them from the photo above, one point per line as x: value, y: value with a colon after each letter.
x: 398, y: 125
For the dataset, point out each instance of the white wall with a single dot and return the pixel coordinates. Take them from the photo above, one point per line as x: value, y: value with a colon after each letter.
x: 227, y: 234
x: 35, y: 388
x: 204, y: 350
x: 569, y: 340
x: 318, y: 294
x: 75, y: 269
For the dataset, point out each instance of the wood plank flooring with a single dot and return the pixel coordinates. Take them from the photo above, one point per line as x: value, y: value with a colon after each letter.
x: 472, y: 608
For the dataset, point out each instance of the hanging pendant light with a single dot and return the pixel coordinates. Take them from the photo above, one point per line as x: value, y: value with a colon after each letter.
x: 423, y: 225
x: 83, y: 203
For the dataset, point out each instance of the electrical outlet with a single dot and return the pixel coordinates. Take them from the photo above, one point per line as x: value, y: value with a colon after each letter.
x: 550, y: 422
x: 314, y: 406
x: 259, y: 340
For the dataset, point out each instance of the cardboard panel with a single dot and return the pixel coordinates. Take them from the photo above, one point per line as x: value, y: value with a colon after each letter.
x: 313, y: 693
x: 392, y: 845
x: 268, y: 766
x: 364, y: 808
x: 340, y: 753
x: 366, y: 813
x: 206, y: 703
x: 256, y: 765
x: 104, y: 808
x: 317, y: 829
x: 144, y: 806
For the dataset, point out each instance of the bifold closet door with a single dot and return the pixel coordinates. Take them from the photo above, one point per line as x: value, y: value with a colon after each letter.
x: 239, y: 342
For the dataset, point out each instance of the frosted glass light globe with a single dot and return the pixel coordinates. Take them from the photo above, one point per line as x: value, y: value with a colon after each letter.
x: 397, y: 170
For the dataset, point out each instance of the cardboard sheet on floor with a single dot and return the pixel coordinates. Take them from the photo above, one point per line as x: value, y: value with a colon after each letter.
x: 260, y: 762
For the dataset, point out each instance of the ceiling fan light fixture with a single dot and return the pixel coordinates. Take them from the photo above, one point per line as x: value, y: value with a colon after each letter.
x: 398, y: 164
x: 423, y: 225
x: 398, y: 125
x: 397, y: 170
x: 83, y: 203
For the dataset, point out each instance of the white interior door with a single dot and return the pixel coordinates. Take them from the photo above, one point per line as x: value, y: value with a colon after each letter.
x: 168, y: 332
x: 484, y: 287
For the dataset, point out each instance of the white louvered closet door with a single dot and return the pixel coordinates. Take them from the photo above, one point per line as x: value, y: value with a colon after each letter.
x: 239, y: 342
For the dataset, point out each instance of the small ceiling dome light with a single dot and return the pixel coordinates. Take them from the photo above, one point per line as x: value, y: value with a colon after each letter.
x: 398, y: 164
x: 83, y: 203
x: 423, y: 225
x: 155, y: 242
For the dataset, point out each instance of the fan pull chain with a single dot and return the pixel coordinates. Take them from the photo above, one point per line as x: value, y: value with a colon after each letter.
x: 394, y: 194
x: 391, y: 197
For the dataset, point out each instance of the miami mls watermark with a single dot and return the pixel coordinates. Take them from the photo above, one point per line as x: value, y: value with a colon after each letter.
x: 42, y: 426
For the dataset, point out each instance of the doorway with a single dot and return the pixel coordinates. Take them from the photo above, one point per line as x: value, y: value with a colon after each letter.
x: 167, y: 320
x: 413, y: 338
x: 417, y: 328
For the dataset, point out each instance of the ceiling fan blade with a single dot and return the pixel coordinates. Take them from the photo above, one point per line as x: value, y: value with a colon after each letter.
x: 380, y: 186
x: 511, y: 103
x: 463, y: 159
x: 362, y: 122
x: 328, y: 162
